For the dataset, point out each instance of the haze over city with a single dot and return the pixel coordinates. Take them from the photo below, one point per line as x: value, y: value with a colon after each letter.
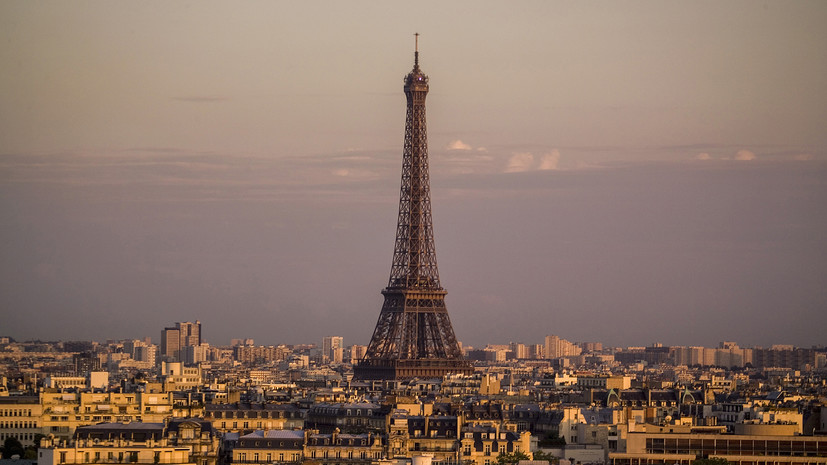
x: 618, y: 172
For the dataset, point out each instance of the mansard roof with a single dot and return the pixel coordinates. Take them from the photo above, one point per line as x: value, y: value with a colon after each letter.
x: 136, y: 431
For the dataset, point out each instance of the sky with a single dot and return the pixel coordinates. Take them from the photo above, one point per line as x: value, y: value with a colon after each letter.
x: 626, y: 172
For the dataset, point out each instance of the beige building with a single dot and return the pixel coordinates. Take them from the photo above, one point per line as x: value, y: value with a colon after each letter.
x: 20, y: 418
x: 61, y: 413
x: 267, y: 447
x: 481, y: 445
x: 339, y: 448
x: 178, y: 442
x: 557, y: 347
x: 244, y: 417
x: 178, y: 377
x: 660, y: 447
x: 434, y: 435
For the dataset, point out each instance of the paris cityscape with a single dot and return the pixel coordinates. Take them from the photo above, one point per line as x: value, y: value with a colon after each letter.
x: 172, y: 294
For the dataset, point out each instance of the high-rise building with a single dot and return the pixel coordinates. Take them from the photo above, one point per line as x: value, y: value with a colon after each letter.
x: 333, y: 349
x: 520, y: 351
x: 357, y: 352
x: 413, y: 337
x: 86, y: 362
x: 183, y: 334
x: 190, y: 333
x: 170, y: 344
x: 557, y: 347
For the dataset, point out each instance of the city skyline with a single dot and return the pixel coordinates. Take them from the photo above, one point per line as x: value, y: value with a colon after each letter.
x: 617, y: 173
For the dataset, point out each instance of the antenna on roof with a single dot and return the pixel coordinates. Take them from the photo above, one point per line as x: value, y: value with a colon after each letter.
x: 416, y: 49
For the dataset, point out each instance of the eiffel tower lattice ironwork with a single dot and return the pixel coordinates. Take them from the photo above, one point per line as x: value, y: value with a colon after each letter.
x: 413, y: 337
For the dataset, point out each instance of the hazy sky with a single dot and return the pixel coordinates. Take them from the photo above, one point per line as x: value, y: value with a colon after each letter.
x: 625, y: 171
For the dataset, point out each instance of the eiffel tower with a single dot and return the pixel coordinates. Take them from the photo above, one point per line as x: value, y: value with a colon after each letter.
x: 413, y: 337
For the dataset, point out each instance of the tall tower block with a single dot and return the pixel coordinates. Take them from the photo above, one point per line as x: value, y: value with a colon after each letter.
x: 413, y: 337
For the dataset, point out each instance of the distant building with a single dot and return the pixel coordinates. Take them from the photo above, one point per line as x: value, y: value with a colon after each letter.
x: 333, y: 349
x: 86, y: 362
x: 357, y: 352
x: 557, y: 347
x: 173, y: 339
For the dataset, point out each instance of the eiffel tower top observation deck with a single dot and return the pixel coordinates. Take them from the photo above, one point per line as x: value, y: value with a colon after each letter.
x: 413, y: 337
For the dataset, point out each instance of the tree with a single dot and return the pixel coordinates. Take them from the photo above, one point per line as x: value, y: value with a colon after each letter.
x: 513, y: 457
x: 552, y: 440
x: 710, y: 461
x: 540, y: 455
x: 11, y: 446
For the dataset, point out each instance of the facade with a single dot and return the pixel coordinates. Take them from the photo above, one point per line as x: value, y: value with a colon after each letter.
x: 481, y: 445
x: 413, y: 337
x: 268, y: 447
x: 20, y: 418
x: 663, y: 447
x: 59, y: 414
x: 245, y: 417
x: 177, y: 376
x: 435, y: 435
x: 181, y: 442
x: 346, y: 417
x: 340, y: 448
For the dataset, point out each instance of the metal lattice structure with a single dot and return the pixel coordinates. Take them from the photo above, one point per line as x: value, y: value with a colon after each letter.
x: 413, y: 337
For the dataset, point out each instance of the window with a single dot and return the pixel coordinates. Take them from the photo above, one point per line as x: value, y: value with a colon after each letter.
x: 488, y: 449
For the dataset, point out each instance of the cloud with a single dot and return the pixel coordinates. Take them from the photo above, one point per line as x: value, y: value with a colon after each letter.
x: 521, y: 161
x: 804, y: 156
x: 744, y: 155
x: 458, y: 145
x: 199, y: 99
x: 550, y: 160
x: 703, y: 156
